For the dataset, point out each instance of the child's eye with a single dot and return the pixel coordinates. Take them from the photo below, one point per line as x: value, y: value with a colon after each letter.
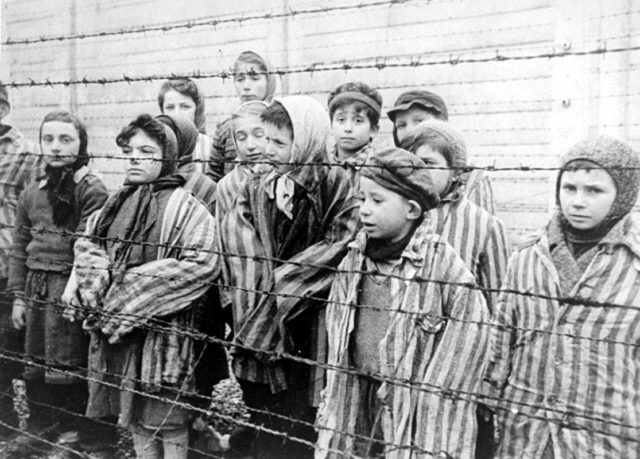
x: 255, y: 76
x: 241, y: 137
x: 258, y: 133
x: 66, y: 139
x: 126, y: 150
x: 594, y: 190
x: 239, y: 78
x: 401, y: 125
x: 567, y: 187
x: 169, y: 107
x: 185, y: 106
x: 47, y: 139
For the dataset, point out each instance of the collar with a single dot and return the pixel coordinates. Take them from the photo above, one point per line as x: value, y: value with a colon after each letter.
x: 77, y: 176
x: 413, y: 252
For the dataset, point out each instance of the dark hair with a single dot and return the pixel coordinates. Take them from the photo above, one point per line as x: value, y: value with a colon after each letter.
x: 66, y: 117
x: 277, y: 115
x: 415, y: 139
x: 356, y: 86
x: 250, y: 57
x: 149, y: 125
x: 188, y: 88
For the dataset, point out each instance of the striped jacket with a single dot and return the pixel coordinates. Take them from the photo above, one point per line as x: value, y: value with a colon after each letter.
x: 569, y: 373
x: 200, y: 185
x: 20, y: 163
x: 202, y: 152
x: 434, y: 338
x: 477, y: 236
x: 478, y: 190
x: 163, y: 289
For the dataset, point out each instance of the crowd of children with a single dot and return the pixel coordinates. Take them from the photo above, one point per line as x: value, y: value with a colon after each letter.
x: 365, y: 299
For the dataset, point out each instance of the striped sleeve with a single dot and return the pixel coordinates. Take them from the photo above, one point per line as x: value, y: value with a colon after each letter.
x: 493, y: 261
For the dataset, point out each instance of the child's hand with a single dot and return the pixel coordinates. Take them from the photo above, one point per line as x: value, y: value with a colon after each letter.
x: 19, y: 314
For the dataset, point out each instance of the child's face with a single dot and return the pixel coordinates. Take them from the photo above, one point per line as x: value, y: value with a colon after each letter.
x: 441, y: 175
x: 250, y: 83
x: 279, y: 147
x: 586, y: 197
x: 405, y: 121
x: 144, y: 159
x: 351, y: 129
x: 250, y: 137
x: 385, y: 214
x: 176, y: 103
x: 60, y: 143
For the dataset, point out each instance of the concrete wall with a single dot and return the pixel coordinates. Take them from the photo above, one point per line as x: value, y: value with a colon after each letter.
x: 514, y: 112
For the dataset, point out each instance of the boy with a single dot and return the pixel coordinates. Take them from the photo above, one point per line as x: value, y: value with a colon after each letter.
x: 562, y: 375
x: 412, y: 108
x: 296, y: 221
x: 20, y: 163
x: 391, y: 328
x: 476, y: 235
x: 354, y: 109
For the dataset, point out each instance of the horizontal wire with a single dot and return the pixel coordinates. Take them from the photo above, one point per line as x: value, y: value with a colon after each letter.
x: 207, y: 22
x: 378, y: 64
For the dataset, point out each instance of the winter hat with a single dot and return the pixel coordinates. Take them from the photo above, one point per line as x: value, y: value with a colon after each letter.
x: 402, y: 172
x: 434, y: 133
x: 620, y: 162
x: 4, y: 95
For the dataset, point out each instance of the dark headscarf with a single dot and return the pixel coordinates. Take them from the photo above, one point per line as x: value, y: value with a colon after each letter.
x: 186, y: 136
x: 141, y: 219
x: 60, y: 184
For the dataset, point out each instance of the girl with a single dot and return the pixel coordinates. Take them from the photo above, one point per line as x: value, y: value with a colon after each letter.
x: 254, y: 79
x: 562, y: 375
x: 146, y: 258
x: 183, y: 97
x: 51, y: 212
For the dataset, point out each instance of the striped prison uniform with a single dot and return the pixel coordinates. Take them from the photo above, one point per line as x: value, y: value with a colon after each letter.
x: 165, y: 288
x: 478, y: 237
x: 20, y: 164
x: 435, y: 339
x: 479, y: 190
x: 568, y: 374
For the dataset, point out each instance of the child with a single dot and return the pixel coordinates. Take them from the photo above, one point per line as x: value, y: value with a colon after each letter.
x: 562, y: 375
x: 354, y: 109
x: 20, y: 163
x: 182, y: 96
x: 250, y: 142
x: 202, y: 186
x: 391, y: 328
x: 146, y: 259
x: 254, y: 79
x: 477, y: 236
x: 50, y: 214
x: 297, y: 221
x: 412, y: 108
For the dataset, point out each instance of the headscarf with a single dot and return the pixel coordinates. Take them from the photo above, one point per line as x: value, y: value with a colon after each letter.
x: 255, y: 58
x: 430, y: 130
x: 186, y: 136
x: 141, y: 219
x: 623, y: 166
x: 187, y: 88
x: 60, y: 184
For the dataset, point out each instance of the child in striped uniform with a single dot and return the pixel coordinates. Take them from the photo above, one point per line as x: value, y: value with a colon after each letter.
x: 412, y: 108
x: 354, y: 109
x: 403, y: 307
x: 563, y: 370
x: 146, y: 260
x: 50, y: 215
x: 476, y: 235
x: 181, y: 96
x: 254, y: 79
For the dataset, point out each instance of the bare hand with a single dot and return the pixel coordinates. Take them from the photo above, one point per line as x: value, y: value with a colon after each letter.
x: 19, y: 314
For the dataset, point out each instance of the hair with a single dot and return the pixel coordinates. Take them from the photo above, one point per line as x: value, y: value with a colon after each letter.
x: 249, y: 57
x: 356, y: 86
x: 414, y: 140
x: 188, y: 88
x: 66, y: 117
x: 277, y: 115
x: 149, y: 125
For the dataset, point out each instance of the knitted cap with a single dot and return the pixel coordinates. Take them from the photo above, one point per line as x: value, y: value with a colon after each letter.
x: 425, y: 133
x: 4, y: 95
x: 620, y: 162
x: 424, y: 99
x: 401, y: 172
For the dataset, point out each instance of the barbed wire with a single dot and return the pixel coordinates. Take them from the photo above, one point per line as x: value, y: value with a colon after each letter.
x: 209, y: 22
x: 344, y: 65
